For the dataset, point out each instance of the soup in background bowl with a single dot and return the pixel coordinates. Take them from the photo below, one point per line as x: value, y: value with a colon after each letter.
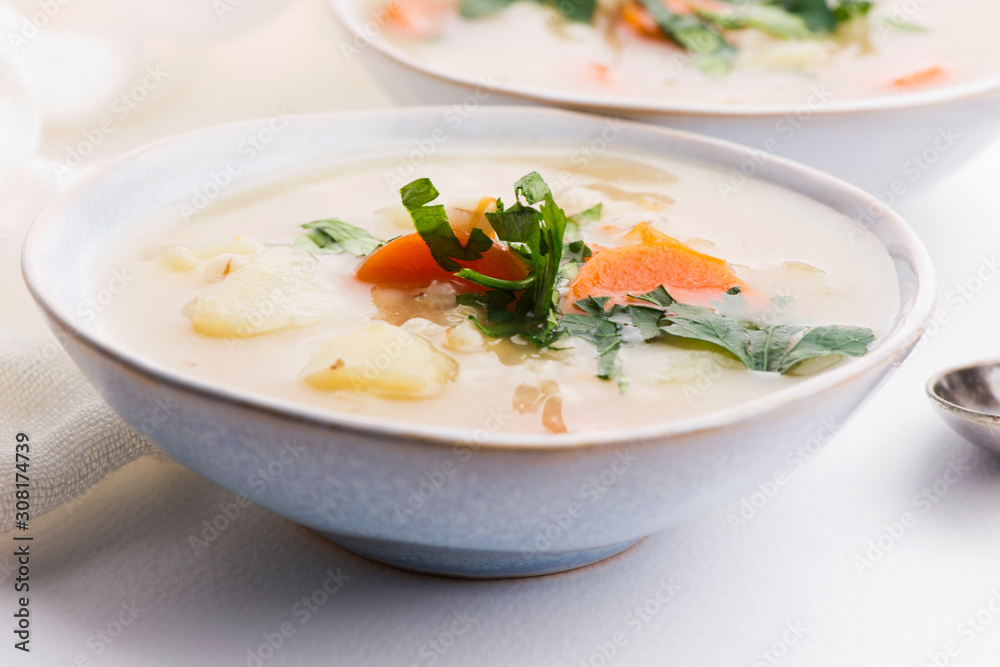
x: 194, y: 274
x: 891, y: 99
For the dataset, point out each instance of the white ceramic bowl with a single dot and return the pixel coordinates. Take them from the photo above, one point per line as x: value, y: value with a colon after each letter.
x: 512, y: 505
x: 889, y: 146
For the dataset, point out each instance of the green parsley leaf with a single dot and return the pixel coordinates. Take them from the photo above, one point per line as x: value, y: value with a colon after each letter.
x: 577, y: 251
x: 822, y: 341
x: 816, y: 14
x: 846, y: 10
x: 712, y: 53
x: 532, y: 188
x: 598, y: 328
x: 658, y: 297
x: 771, y: 20
x: 431, y: 222
x: 336, y: 236
x: 495, y: 283
x: 473, y: 9
x: 535, y: 235
x: 574, y: 222
x: 700, y: 323
x: 518, y: 224
x: 592, y: 214
x: 646, y: 320
x: 581, y: 11
x: 775, y: 349
x: 593, y: 305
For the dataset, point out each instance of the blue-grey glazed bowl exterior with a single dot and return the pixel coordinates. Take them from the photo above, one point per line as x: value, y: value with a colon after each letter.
x: 433, y: 498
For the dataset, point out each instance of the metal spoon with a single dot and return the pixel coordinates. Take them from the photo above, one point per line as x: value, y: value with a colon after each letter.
x: 968, y: 399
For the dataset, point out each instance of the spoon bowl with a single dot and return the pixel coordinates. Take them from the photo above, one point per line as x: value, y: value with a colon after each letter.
x: 968, y: 399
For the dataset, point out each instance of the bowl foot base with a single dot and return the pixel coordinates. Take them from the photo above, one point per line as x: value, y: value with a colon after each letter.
x: 472, y: 563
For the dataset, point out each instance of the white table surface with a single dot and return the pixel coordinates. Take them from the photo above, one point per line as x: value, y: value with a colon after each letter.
x: 788, y: 587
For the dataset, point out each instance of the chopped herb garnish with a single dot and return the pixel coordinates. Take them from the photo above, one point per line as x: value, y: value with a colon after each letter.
x: 534, y: 228
x: 712, y: 53
x: 336, y: 236
x: 581, y: 11
x: 771, y: 20
x: 701, y: 32
x: 575, y: 221
x: 577, y: 251
x: 774, y: 349
x: 472, y: 9
x: 431, y: 222
x: 534, y: 234
x: 592, y: 214
x: 597, y: 327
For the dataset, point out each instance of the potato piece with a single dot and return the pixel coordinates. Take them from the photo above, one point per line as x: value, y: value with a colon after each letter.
x: 383, y: 360
x: 222, y: 265
x: 179, y: 258
x: 463, y: 337
x: 276, y: 290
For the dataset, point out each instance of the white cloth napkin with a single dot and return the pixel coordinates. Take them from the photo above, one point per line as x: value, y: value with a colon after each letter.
x: 68, y: 69
x: 74, y: 438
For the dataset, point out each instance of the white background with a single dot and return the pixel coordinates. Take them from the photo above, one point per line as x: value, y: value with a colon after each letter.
x: 795, y: 580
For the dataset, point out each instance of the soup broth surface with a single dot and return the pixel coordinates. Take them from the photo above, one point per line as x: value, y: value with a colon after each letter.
x: 804, y: 263
x: 942, y: 43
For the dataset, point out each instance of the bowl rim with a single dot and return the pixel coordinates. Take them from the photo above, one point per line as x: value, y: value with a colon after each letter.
x: 950, y: 406
x: 910, y: 325
x: 343, y: 10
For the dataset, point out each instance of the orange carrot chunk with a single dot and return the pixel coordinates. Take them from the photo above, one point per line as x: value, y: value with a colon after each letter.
x: 408, y: 261
x: 416, y: 18
x: 919, y: 78
x: 639, y: 19
x: 656, y: 260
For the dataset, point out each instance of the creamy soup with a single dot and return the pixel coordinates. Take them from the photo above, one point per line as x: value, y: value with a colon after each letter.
x: 623, y: 54
x: 238, y: 297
